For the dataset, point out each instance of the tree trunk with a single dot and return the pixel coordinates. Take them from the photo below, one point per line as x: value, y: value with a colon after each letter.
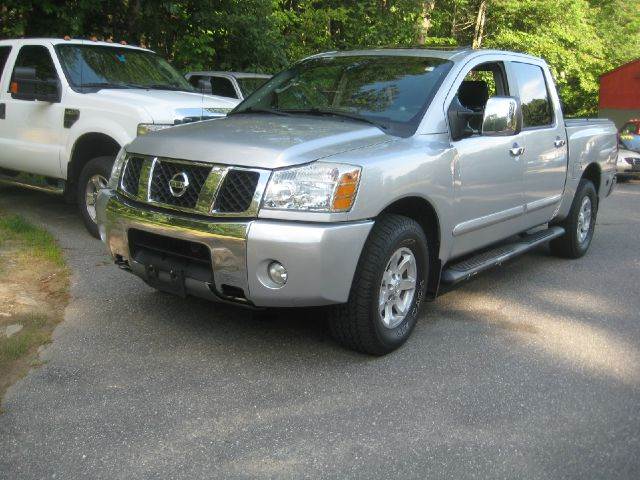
x: 133, y: 18
x: 478, y: 31
x: 425, y: 21
x: 454, y: 25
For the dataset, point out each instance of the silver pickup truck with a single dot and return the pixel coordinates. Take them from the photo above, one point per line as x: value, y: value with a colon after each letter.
x: 364, y: 181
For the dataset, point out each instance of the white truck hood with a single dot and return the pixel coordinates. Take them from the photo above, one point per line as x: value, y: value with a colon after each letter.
x: 166, y: 106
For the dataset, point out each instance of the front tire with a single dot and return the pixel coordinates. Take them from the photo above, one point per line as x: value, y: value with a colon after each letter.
x: 387, y: 290
x: 579, y: 225
x: 94, y: 176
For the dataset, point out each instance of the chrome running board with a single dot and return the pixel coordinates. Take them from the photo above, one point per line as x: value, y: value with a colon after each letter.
x: 465, y: 269
x: 34, y: 182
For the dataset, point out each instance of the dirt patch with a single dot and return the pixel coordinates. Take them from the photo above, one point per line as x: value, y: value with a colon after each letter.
x: 34, y: 285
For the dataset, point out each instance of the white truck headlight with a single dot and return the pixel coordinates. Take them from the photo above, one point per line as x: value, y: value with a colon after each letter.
x: 317, y: 187
x: 144, y: 128
x: 116, y: 170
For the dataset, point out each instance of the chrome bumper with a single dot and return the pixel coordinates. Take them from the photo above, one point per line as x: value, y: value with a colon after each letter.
x: 320, y: 258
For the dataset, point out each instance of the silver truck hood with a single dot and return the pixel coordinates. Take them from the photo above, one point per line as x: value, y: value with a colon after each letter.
x: 257, y: 140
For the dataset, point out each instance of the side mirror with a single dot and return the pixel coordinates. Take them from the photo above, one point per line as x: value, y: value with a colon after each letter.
x: 25, y: 86
x: 459, y: 116
x: 502, y: 117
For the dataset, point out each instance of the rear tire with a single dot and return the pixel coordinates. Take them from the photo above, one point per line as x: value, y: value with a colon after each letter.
x: 579, y: 225
x: 94, y: 175
x: 395, y: 252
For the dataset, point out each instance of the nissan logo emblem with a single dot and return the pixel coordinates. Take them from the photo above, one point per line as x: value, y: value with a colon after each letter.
x: 178, y: 184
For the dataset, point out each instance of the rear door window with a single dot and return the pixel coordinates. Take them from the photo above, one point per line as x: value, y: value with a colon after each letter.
x: 534, y: 95
x: 4, y: 55
x: 223, y: 87
x: 200, y: 83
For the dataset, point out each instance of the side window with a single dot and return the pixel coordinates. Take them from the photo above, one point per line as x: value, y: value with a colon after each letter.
x: 223, y: 87
x: 481, y: 83
x: 205, y: 86
x: 534, y: 95
x: 38, y: 58
x: 4, y: 55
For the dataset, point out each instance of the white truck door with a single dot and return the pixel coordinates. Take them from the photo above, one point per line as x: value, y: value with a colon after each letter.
x: 32, y: 136
x: 544, y: 139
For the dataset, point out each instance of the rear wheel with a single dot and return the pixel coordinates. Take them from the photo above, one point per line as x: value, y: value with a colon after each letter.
x: 580, y: 223
x: 388, y: 288
x: 93, y: 178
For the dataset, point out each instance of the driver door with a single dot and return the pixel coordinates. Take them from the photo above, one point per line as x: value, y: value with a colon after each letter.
x: 32, y: 134
x: 488, y: 171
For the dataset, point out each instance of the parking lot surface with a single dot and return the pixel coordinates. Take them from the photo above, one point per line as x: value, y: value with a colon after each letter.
x: 531, y: 370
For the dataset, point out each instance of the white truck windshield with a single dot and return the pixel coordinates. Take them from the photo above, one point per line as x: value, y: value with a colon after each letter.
x: 97, y: 66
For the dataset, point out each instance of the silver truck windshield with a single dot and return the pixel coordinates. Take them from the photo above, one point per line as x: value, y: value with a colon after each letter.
x: 391, y: 92
x: 91, y: 67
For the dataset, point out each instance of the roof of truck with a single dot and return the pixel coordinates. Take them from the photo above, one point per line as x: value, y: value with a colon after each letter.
x: 446, y: 54
x: 72, y: 41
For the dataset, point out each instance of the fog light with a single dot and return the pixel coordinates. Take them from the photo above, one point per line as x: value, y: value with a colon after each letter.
x: 277, y: 273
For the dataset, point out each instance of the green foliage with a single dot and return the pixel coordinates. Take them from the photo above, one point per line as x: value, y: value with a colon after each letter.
x: 581, y: 39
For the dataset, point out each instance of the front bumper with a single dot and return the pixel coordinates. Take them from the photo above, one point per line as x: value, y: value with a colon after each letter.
x: 320, y: 258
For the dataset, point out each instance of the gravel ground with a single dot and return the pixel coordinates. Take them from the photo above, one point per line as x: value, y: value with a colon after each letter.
x: 530, y: 371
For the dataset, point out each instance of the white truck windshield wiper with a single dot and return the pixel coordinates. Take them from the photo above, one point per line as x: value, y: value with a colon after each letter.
x: 173, y: 88
x: 105, y: 85
x: 135, y: 85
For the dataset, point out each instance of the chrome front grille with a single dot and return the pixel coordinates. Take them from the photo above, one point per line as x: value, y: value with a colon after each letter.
x: 163, y: 172
x: 237, y: 191
x: 193, y: 187
x: 131, y: 176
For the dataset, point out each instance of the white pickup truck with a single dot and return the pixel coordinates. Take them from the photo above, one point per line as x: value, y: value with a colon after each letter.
x: 68, y: 106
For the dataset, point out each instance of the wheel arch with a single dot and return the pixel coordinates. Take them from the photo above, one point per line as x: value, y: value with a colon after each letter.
x: 86, y: 147
x: 425, y: 214
x: 594, y: 174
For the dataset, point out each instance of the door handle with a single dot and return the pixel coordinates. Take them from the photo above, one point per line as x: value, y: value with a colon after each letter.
x: 559, y: 142
x: 3, y: 111
x: 516, y: 150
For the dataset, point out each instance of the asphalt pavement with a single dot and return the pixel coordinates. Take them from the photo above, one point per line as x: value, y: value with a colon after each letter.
x: 530, y: 371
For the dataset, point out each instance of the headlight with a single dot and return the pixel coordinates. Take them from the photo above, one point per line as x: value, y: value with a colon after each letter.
x: 318, y: 187
x: 144, y: 128
x: 116, y: 171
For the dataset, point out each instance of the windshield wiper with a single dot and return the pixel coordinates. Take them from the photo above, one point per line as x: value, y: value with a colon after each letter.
x: 272, y: 111
x: 105, y: 85
x: 334, y: 113
x: 136, y: 86
x: 173, y: 88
